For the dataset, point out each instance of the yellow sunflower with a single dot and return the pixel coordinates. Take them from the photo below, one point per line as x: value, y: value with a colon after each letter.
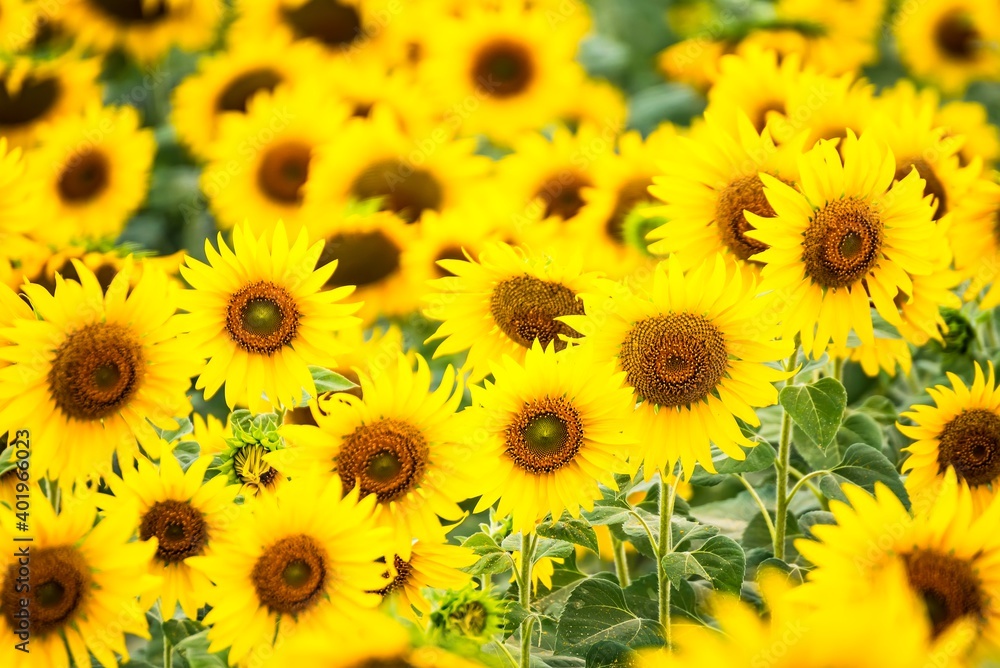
x: 21, y: 205
x: 19, y: 21
x: 596, y: 102
x: 296, y: 561
x: 366, y: 83
x: 94, y: 169
x: 399, y: 444
x: 261, y: 161
x: 210, y: 433
x: 93, y: 374
x: 974, y: 235
x: 260, y: 314
x: 431, y: 565
x: 146, y: 29
x: 183, y: 514
x: 879, y: 355
x: 757, y: 83
x: 502, y: 303
x: 695, y: 352
x: 825, y: 107
x: 845, y: 238
x: 969, y: 120
x: 554, y: 427
x: 950, y: 42
x: 85, y: 577
x: 42, y: 268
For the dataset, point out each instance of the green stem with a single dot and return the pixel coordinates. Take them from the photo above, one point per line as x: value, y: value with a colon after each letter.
x: 804, y: 480
x: 760, y: 504
x: 668, y: 495
x: 781, y: 466
x: 811, y: 487
x: 506, y: 652
x: 838, y: 369
x: 524, y: 596
x: 621, y: 562
x: 168, y: 654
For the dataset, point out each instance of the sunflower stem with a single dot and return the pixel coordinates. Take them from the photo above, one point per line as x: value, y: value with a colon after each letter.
x: 168, y: 653
x: 668, y: 495
x: 621, y: 562
x: 781, y: 466
x: 524, y: 595
x: 838, y: 369
x: 760, y: 504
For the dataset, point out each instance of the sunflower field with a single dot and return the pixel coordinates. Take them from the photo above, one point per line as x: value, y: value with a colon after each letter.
x: 499, y: 333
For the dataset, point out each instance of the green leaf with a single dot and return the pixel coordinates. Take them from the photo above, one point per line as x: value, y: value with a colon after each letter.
x: 817, y: 408
x: 552, y: 549
x: 195, y: 650
x: 611, y: 654
x: 880, y: 408
x: 481, y: 544
x: 859, y: 428
x: 679, y: 565
x: 863, y: 465
x: 186, y: 453
x: 184, y: 427
x: 576, y: 531
x: 724, y: 561
x: 607, y: 514
x: 812, y: 518
x: 496, y: 562
x: 685, y: 530
x: 596, y: 611
x: 176, y: 630
x: 793, y: 572
x: 329, y: 381
x: 759, y: 458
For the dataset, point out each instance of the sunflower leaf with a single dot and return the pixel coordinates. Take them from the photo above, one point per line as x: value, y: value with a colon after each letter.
x: 724, y: 561
x: 329, y: 381
x: 576, y: 531
x: 598, y: 610
x: 678, y: 565
x: 859, y: 428
x: 864, y: 466
x: 610, y: 654
x: 817, y: 408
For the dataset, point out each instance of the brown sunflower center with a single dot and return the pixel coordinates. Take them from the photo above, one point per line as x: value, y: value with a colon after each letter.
x: 932, y: 184
x: 525, y: 308
x: 403, y: 571
x: 503, y: 68
x: 331, y: 22
x: 59, y: 580
x: 29, y: 103
x: 842, y: 243
x: 562, y: 194
x: 241, y: 90
x: 290, y: 574
x: 133, y: 11
x: 447, y: 253
x: 948, y: 585
x: 283, y: 171
x: 105, y: 274
x: 545, y: 435
x: 630, y: 195
x: 743, y: 194
x: 674, y: 359
x: 262, y: 318
x: 96, y: 371
x: 395, y: 662
x: 84, y: 177
x: 179, y: 528
x: 363, y: 258
x: 386, y: 458
x: 405, y: 190
x: 970, y: 442
x: 957, y: 36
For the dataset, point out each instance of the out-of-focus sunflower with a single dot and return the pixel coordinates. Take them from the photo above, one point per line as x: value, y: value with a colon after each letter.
x: 146, y: 29
x: 502, y: 303
x: 431, y: 564
x: 974, y: 235
x: 19, y: 20
x: 85, y: 576
x: 599, y: 103
x: 399, y: 444
x: 512, y: 60
x: 846, y: 238
x: 21, y: 205
x: 554, y: 427
x: 258, y: 312
x: 365, y: 84
x: 182, y: 514
x: 210, y: 433
x: 449, y: 236
x: 102, y: 367
x: 825, y: 107
x: 880, y: 355
x: 32, y: 93
x: 290, y: 562
x: 756, y: 83
x: 969, y: 120
x: 696, y: 354
x: 842, y: 36
x: 42, y: 268
x: 261, y: 161
x: 950, y: 42
x: 95, y: 171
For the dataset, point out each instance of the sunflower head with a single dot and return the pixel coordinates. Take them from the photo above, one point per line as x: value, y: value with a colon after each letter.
x: 243, y: 459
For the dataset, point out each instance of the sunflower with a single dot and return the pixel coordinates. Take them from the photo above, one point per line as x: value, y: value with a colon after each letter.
x: 596, y: 102
x: 974, y: 235
x: 210, y: 433
x: 95, y: 372
x: 399, y: 444
x: 42, y: 268
x: 85, y: 576
x: 825, y: 107
x: 259, y: 165
x: 182, y: 514
x: 241, y: 460
x: 292, y: 561
x: 504, y: 302
x: 845, y: 238
x: 553, y: 427
x: 19, y: 20
x: 94, y: 169
x: 711, y: 180
x: 969, y: 120
x: 962, y: 432
x: 32, y: 93
x: 757, y: 83
x: 511, y: 61
x: 146, y: 29
x: 20, y: 205
x: 843, y: 36
x: 950, y: 42
x: 695, y: 353
x: 450, y: 235
x: 225, y: 82
x: 879, y: 355
x: 431, y: 565
x: 374, y: 157
x: 258, y: 312
x: 366, y: 84
x: 949, y: 552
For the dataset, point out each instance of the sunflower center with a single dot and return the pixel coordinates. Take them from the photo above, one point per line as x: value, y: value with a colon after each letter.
x: 386, y: 458
x: 179, y: 529
x: 251, y: 469
x: 31, y: 102
x: 971, y: 444
x: 956, y: 35
x: 84, y: 177
x: 932, y: 184
x: 403, y: 570
x: 283, y: 172
x: 397, y: 662
x: 406, y: 191
x: 545, y: 435
x: 96, y: 371
x: 630, y: 195
x: 241, y: 90
x: 60, y: 579
x: 674, y: 359
x: 363, y: 258
x: 842, y: 243
x: 525, y: 308
x: 290, y: 574
x: 562, y: 194
x: 743, y: 194
x: 133, y: 11
x: 447, y: 253
x: 471, y: 618
x: 331, y: 22
x: 948, y: 585
x: 262, y: 318
x: 503, y: 68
